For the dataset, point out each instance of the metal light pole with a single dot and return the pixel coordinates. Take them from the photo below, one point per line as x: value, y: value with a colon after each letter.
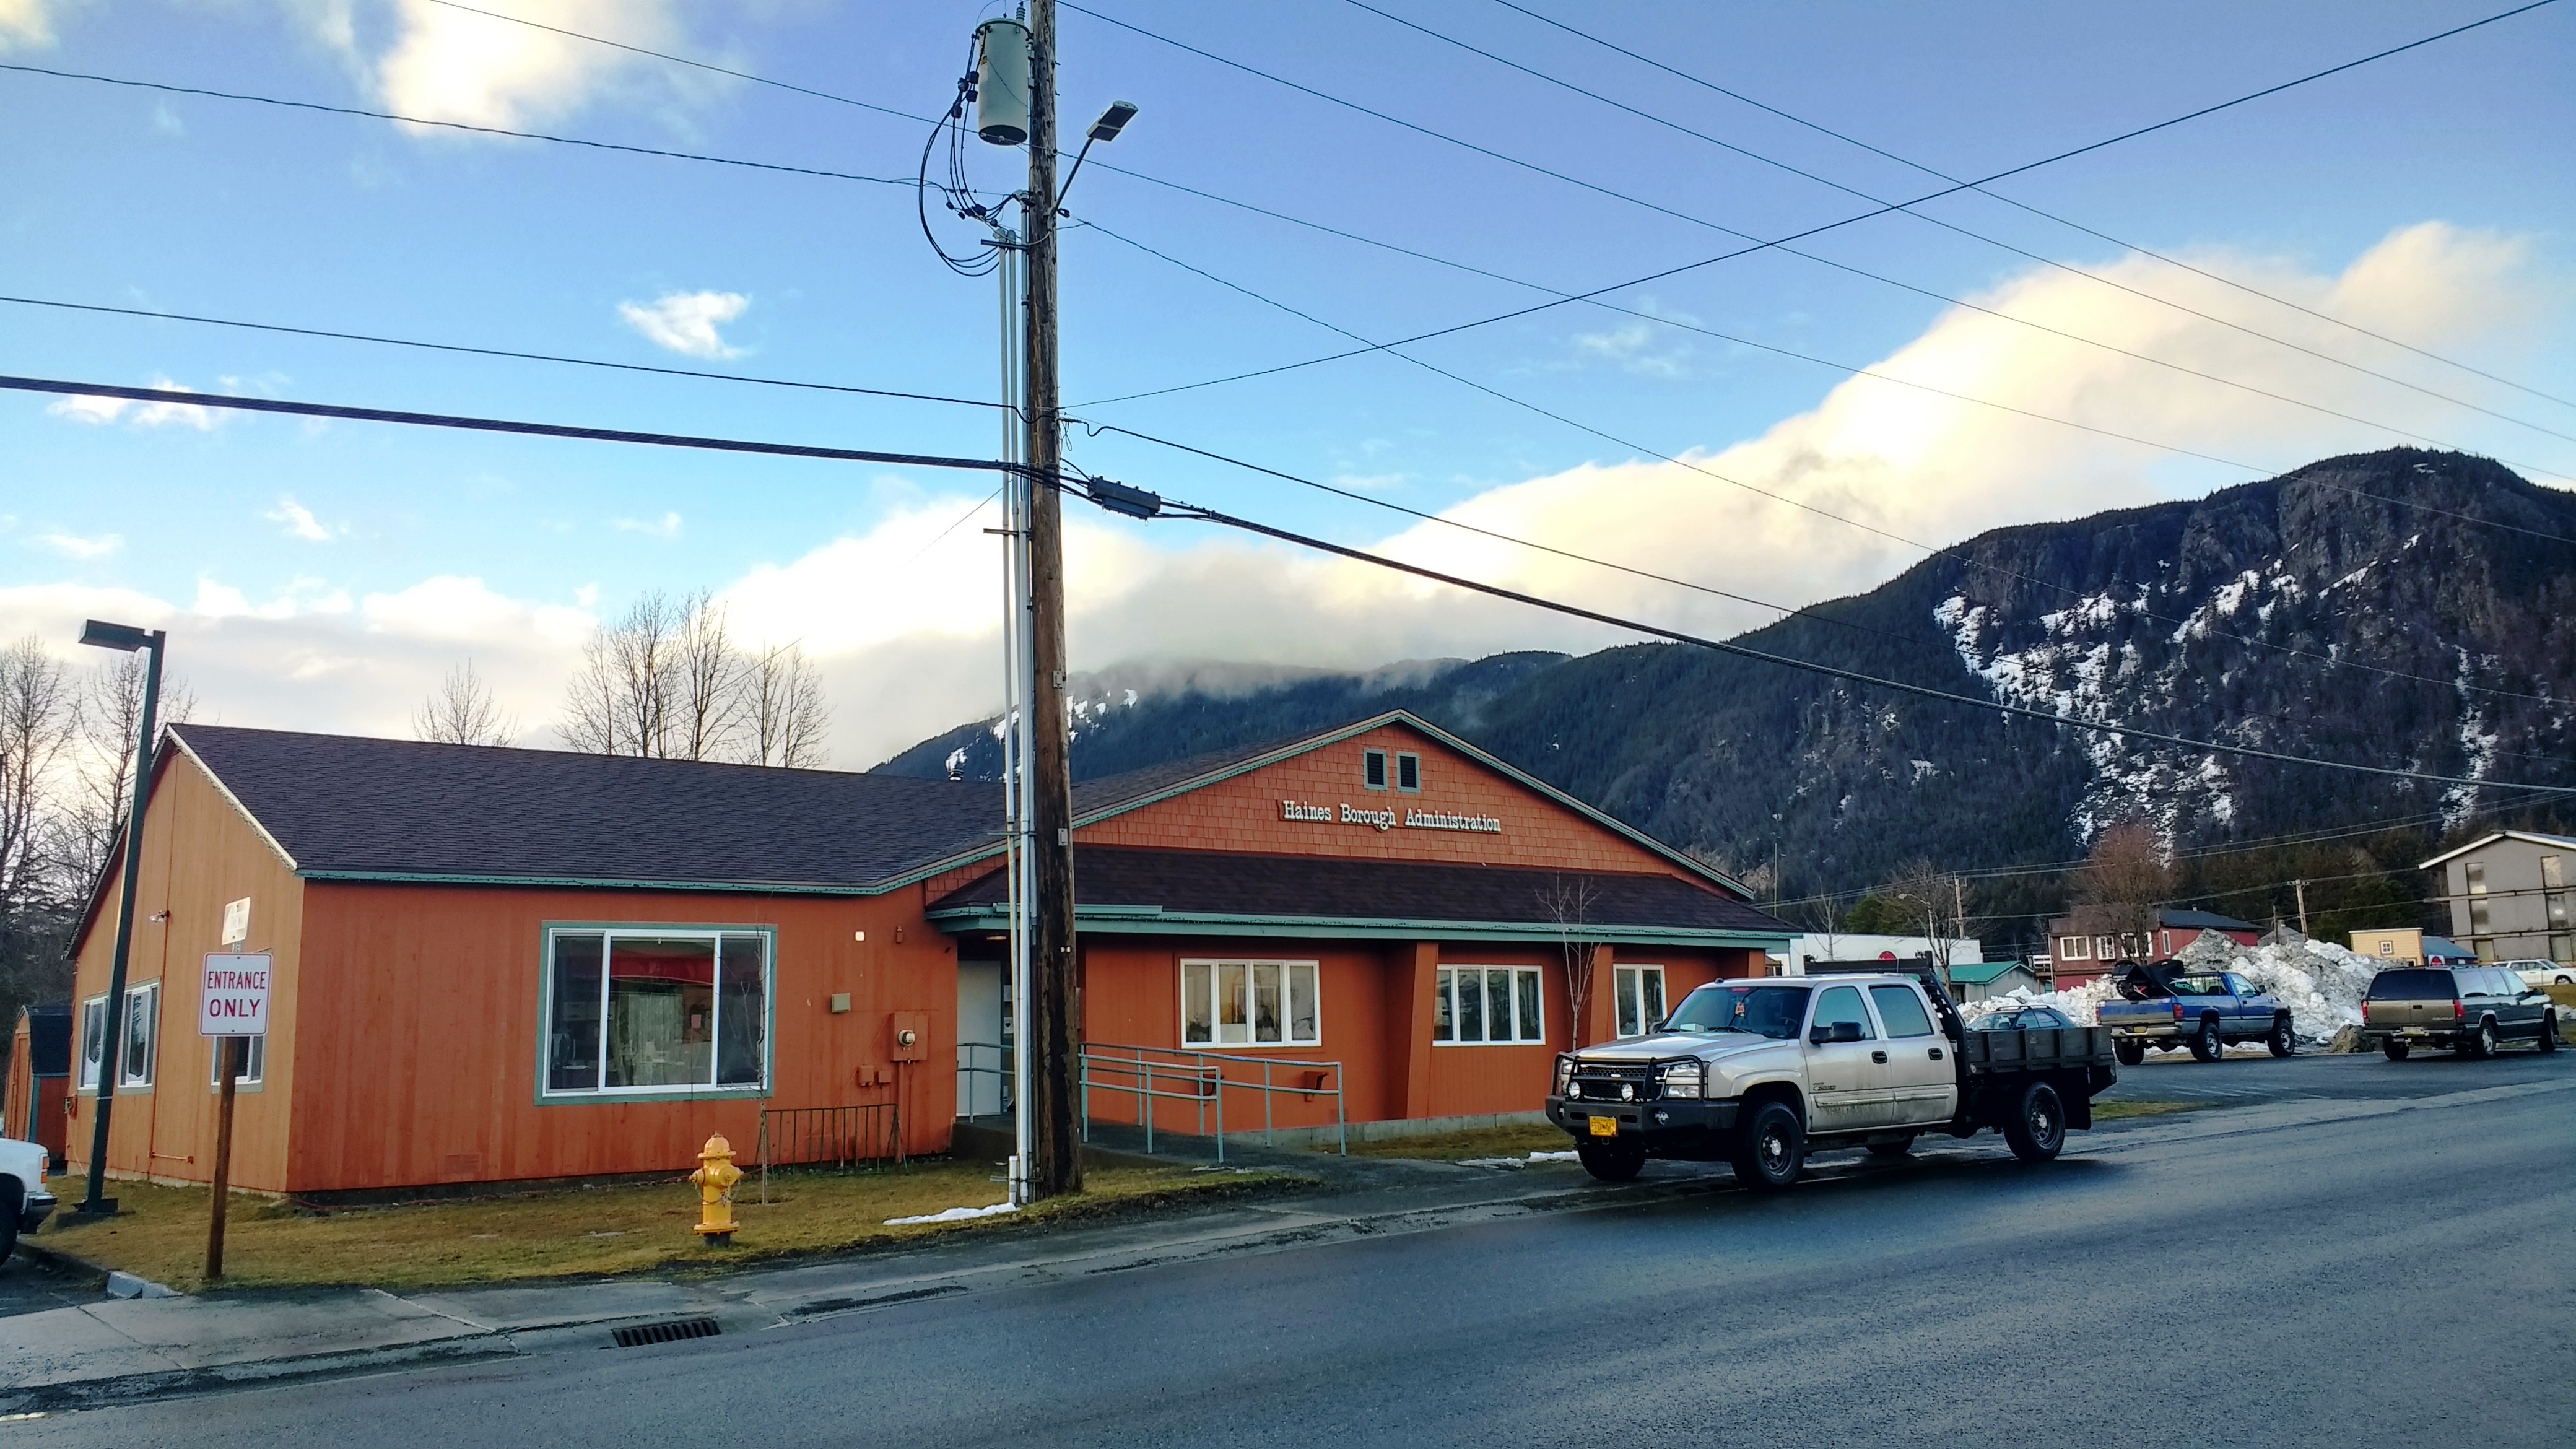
x: 127, y: 638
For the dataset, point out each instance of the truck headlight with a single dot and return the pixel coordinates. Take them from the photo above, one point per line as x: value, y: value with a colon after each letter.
x: 1684, y: 1079
x: 1564, y: 1074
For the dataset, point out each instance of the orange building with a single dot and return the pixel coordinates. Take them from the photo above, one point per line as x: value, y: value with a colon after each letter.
x: 515, y: 965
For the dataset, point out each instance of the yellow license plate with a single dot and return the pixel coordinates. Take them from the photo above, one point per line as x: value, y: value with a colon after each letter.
x: 1605, y: 1126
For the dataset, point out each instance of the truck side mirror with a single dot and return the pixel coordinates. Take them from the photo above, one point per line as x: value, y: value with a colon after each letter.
x: 1838, y: 1032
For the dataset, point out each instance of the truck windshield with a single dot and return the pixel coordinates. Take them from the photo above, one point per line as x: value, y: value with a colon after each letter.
x: 1772, y: 1011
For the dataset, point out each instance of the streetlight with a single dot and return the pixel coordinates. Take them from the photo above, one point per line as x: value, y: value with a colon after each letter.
x: 1111, y: 122
x: 126, y: 638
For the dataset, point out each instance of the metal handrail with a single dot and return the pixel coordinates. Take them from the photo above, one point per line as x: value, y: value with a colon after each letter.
x: 836, y: 1136
x: 967, y: 1066
x: 1157, y: 1074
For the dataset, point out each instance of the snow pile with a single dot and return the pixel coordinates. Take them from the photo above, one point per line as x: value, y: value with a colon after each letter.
x: 2322, y: 984
x: 1517, y: 1163
x: 953, y: 1215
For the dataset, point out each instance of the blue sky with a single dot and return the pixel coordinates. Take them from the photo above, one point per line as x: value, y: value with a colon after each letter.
x: 322, y: 576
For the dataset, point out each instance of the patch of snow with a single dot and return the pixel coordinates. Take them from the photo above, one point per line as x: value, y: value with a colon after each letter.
x: 2321, y: 983
x: 1924, y: 769
x: 953, y: 1215
x: 1517, y: 1163
x: 956, y: 761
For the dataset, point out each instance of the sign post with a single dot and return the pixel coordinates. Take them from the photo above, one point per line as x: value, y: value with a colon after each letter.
x: 232, y: 1007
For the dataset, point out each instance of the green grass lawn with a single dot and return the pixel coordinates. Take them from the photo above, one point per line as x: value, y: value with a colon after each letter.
x: 160, y: 1232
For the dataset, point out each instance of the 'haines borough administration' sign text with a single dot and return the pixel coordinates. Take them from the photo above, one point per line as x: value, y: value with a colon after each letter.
x: 1384, y: 818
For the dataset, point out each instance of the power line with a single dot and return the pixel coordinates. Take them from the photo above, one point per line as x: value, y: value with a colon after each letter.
x: 1776, y: 243
x: 185, y: 398
x: 143, y: 85
x: 2331, y: 659
x: 1936, y: 172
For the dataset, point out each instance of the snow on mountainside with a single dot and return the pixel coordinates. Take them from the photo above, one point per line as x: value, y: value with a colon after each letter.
x: 2404, y: 609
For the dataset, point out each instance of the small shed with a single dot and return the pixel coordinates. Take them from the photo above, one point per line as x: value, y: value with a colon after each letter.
x: 1977, y: 980
x: 40, y: 1076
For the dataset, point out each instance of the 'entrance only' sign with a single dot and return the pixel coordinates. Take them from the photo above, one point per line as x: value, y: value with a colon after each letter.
x: 235, y: 999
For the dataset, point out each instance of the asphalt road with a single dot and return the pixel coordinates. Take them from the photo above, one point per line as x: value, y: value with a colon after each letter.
x: 2399, y: 1279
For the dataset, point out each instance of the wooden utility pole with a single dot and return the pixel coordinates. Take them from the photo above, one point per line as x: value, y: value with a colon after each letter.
x: 2302, y: 888
x: 1054, y: 996
x: 232, y: 1047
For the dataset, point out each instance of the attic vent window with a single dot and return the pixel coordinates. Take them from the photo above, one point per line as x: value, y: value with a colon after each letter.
x: 1408, y: 772
x: 1373, y: 769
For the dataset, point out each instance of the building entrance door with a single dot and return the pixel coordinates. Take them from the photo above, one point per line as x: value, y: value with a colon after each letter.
x: 983, y: 1046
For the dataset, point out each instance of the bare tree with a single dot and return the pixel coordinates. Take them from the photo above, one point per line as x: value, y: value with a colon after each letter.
x: 1929, y: 895
x: 2119, y: 886
x: 463, y: 712
x: 109, y: 713
x: 38, y: 725
x: 705, y: 673
x: 1568, y: 901
x: 620, y: 702
x: 783, y: 711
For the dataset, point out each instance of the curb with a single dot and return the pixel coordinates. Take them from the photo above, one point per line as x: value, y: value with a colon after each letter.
x: 170, y: 1383
x: 120, y: 1284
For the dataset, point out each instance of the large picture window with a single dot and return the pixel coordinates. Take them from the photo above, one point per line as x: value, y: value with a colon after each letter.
x: 93, y: 1041
x: 1640, y: 995
x: 254, y: 1063
x: 140, y: 1027
x: 1488, y: 1004
x: 1249, y: 1003
x: 656, y: 1009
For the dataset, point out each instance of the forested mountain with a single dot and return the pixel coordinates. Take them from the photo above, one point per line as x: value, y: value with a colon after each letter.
x: 2405, y: 609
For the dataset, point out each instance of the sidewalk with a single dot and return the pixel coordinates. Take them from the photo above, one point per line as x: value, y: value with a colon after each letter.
x: 118, y: 1350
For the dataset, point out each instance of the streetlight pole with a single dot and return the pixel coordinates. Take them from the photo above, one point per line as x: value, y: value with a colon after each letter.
x: 128, y: 638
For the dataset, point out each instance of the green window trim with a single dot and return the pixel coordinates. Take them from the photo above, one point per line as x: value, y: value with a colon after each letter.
x: 547, y: 1096
x: 1373, y: 769
x: 1408, y: 773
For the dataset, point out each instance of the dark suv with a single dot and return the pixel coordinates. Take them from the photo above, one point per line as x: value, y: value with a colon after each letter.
x: 2470, y: 1009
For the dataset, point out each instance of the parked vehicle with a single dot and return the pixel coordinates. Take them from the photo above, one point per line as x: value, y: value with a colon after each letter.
x: 1760, y: 1073
x: 2020, y: 1018
x: 2543, y: 973
x: 25, y: 1199
x: 2169, y: 1005
x: 2473, y: 1010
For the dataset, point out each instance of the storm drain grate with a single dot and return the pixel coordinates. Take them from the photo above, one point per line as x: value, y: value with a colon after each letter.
x: 672, y: 1332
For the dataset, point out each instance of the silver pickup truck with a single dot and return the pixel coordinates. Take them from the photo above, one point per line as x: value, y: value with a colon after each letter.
x: 25, y: 1199
x: 1759, y: 1073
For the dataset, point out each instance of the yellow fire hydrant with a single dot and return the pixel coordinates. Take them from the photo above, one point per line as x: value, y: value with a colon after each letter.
x: 715, y: 1178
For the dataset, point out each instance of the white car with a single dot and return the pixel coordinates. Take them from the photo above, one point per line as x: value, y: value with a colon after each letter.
x: 25, y: 1199
x: 2543, y: 973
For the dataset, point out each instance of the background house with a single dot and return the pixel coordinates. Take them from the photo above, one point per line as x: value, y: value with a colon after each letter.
x: 2076, y: 955
x: 2508, y: 895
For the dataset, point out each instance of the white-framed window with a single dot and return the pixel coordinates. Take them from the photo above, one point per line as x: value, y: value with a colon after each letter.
x: 1408, y: 773
x: 1373, y: 769
x: 2074, y: 948
x: 142, y: 1029
x: 1250, y: 1003
x: 93, y: 1041
x: 1638, y: 992
x: 1496, y: 1005
x: 254, y: 1063
x: 666, y: 1010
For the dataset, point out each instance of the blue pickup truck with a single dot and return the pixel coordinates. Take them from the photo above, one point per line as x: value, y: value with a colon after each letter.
x: 2170, y: 1004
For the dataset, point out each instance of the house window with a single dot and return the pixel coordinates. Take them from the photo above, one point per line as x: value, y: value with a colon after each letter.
x: 2478, y: 914
x: 142, y: 1029
x: 1249, y: 1003
x: 2486, y: 949
x: 1408, y: 773
x: 656, y: 1009
x: 93, y: 1041
x: 1640, y: 994
x: 254, y: 1063
x: 2074, y: 948
x: 1494, y: 1004
x: 2476, y: 871
x: 2107, y: 947
x: 2562, y: 949
x: 2552, y: 874
x: 1373, y: 769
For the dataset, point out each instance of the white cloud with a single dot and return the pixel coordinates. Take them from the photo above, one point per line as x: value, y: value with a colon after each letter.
x: 73, y: 546
x: 686, y: 322
x: 903, y: 617
x: 666, y: 526
x: 446, y: 64
x: 298, y: 519
x: 100, y: 411
x: 25, y: 23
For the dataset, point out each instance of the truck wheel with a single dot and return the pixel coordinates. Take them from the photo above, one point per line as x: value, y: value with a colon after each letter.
x: 2037, y: 1129
x: 1611, y: 1164
x: 1897, y: 1148
x: 2130, y: 1053
x: 2549, y: 1032
x: 2481, y: 1046
x: 2283, y: 1041
x: 2393, y: 1049
x: 2207, y: 1044
x: 1773, y: 1149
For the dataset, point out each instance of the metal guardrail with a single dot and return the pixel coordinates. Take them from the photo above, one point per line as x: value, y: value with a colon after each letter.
x: 842, y: 1137
x: 970, y: 1065
x: 1167, y: 1074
